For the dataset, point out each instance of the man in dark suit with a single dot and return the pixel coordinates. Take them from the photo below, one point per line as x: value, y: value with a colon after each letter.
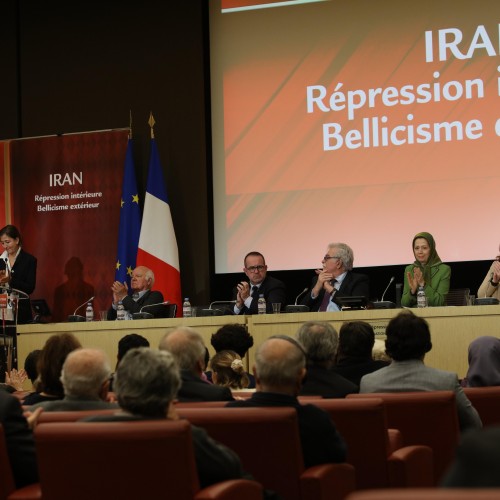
x: 141, y: 283
x: 247, y: 293
x: 335, y: 280
x: 188, y: 349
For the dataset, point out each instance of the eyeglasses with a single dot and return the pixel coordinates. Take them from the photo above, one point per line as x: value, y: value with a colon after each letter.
x: 328, y: 257
x: 253, y: 269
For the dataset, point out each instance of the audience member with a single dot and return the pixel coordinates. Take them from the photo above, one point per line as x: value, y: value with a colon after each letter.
x: 335, y: 279
x: 233, y: 337
x: 320, y: 341
x: 489, y: 287
x: 228, y: 370
x: 31, y: 366
x: 484, y: 362
x: 379, y: 353
x: 188, y: 349
x: 146, y: 384
x: 126, y: 343
x: 354, y: 356
x: 280, y: 366
x: 85, y: 379
x: 247, y: 293
x: 50, y: 364
x: 408, y: 340
x: 142, y: 282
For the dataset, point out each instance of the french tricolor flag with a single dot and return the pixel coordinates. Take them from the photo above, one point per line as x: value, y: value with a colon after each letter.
x: 157, y: 242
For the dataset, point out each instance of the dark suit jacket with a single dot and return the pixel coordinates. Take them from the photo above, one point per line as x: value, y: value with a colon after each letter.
x: 323, y: 382
x: 150, y: 297
x: 274, y: 291
x: 321, y: 443
x: 353, y: 368
x: 24, y: 279
x: 74, y: 404
x: 20, y: 442
x: 353, y: 285
x: 193, y: 388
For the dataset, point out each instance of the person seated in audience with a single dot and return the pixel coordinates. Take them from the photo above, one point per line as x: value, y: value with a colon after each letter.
x: 484, y: 362
x: 142, y: 282
x: 54, y: 353
x: 280, y: 366
x: 489, y: 287
x: 320, y: 341
x: 228, y: 371
x: 188, y: 349
x: 427, y: 271
x: 354, y: 354
x: 85, y: 379
x: 233, y: 337
x: 379, y: 353
x: 408, y: 340
x: 146, y: 385
x: 14, y: 380
x: 477, y: 461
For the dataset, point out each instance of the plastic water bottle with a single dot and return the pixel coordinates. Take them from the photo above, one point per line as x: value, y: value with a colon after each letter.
x: 89, y: 312
x: 187, y: 310
x: 120, y: 311
x: 421, y: 297
x: 261, y: 304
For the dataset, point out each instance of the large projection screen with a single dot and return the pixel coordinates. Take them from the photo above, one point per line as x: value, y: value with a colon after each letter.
x: 363, y: 121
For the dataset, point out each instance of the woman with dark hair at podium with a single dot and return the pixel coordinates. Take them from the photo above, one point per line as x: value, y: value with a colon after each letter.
x: 428, y: 272
x: 17, y: 270
x: 489, y: 287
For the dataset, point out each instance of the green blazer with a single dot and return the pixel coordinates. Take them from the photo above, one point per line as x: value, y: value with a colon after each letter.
x: 435, y: 291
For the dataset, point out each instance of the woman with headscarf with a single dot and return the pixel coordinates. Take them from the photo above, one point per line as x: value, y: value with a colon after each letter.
x: 484, y: 362
x: 427, y: 271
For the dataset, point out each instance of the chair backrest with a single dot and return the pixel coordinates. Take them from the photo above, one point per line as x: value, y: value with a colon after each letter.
x: 428, y: 418
x: 103, y: 460
x: 457, y: 297
x: 266, y: 440
x: 363, y: 425
x: 486, y: 400
x: 71, y: 416
x: 7, y: 485
x: 170, y: 310
x: 427, y: 494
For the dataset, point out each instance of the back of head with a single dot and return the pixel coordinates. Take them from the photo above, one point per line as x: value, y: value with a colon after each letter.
x: 51, y: 360
x: 129, y: 342
x: 279, y: 364
x: 229, y: 370
x: 408, y: 337
x: 31, y: 364
x: 147, y: 381
x: 484, y: 362
x: 320, y: 341
x: 84, y: 373
x: 187, y: 347
x: 232, y: 337
x: 356, y: 339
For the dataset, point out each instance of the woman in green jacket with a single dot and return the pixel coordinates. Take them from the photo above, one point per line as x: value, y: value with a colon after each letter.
x: 427, y: 271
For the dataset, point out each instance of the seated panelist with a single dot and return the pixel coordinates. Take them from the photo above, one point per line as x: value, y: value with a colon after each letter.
x: 489, y: 287
x: 141, y: 284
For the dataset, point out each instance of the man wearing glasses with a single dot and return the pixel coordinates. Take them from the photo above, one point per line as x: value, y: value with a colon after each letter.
x: 247, y: 292
x: 335, y: 279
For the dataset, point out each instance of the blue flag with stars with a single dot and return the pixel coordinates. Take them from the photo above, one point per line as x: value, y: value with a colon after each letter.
x: 130, y: 222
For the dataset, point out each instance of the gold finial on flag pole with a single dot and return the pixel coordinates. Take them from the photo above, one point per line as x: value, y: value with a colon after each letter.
x: 151, y: 122
x: 130, y: 124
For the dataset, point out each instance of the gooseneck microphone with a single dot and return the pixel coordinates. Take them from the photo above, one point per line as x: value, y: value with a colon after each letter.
x: 385, y: 304
x: 221, y: 302
x: 387, y: 288
x: 76, y: 318
x: 147, y: 315
x: 300, y: 295
x: 152, y: 305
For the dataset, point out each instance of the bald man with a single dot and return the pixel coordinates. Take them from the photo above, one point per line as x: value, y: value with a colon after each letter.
x: 280, y: 366
x: 141, y: 284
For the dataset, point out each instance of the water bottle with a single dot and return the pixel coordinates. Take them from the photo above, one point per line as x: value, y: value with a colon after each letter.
x: 261, y: 304
x: 421, y: 297
x: 120, y: 311
x: 187, y: 310
x: 89, y: 312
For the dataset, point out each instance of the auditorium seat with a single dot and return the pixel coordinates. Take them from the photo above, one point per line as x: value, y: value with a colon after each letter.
x: 71, y: 416
x: 427, y: 494
x: 144, y: 459
x: 375, y: 451
x: 200, y: 404
x: 427, y: 418
x: 268, y: 443
x: 486, y: 400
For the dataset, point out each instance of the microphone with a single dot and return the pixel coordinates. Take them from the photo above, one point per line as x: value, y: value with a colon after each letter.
x: 385, y: 304
x: 297, y: 308
x: 20, y: 292
x: 300, y: 295
x: 146, y: 315
x: 221, y: 302
x: 76, y: 318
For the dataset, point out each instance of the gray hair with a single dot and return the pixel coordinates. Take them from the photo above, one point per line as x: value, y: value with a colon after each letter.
x: 279, y: 368
x: 84, y: 372
x: 150, y: 275
x: 320, y: 340
x: 344, y: 253
x: 186, y: 345
x: 146, y: 381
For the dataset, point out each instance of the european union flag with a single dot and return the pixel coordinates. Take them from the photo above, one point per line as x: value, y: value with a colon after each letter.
x: 130, y: 222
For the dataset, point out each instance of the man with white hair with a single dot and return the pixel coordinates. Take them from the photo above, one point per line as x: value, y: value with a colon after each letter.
x: 85, y: 379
